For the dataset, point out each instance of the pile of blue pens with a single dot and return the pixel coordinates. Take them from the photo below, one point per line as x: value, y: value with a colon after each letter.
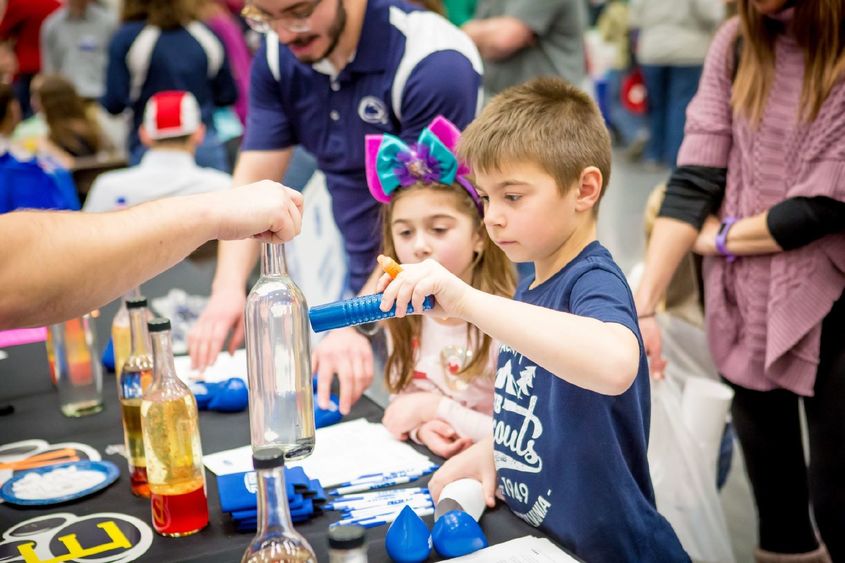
x: 362, y: 501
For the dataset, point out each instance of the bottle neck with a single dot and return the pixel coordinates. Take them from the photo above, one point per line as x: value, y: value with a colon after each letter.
x: 273, y: 260
x: 273, y: 510
x: 138, y: 331
x: 163, y: 366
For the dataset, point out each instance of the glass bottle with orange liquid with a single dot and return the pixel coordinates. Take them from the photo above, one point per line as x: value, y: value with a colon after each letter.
x: 170, y: 426
x: 134, y: 379
x: 276, y: 541
x: 120, y: 333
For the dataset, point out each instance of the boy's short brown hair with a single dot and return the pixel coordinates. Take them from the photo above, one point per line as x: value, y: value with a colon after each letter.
x: 546, y: 121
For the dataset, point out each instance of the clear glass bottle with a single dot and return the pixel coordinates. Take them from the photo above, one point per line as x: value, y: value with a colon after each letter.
x: 170, y: 425
x: 75, y: 364
x: 348, y: 544
x: 281, y: 400
x: 120, y: 333
x: 134, y: 379
x: 276, y: 541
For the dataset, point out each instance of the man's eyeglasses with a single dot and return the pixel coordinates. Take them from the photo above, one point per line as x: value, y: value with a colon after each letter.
x: 295, y: 19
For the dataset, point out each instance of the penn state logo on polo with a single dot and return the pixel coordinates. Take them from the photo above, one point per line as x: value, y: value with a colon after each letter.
x: 372, y: 110
x: 105, y: 537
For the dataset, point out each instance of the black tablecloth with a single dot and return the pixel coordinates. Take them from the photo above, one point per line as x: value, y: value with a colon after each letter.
x: 25, y: 383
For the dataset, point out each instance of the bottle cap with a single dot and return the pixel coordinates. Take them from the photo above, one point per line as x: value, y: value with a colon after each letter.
x: 268, y: 458
x: 347, y: 537
x: 158, y: 324
x: 136, y: 303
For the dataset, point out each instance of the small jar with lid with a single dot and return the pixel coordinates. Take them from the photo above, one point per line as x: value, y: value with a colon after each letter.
x: 348, y: 544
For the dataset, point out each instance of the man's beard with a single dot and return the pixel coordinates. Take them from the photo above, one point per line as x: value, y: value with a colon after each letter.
x: 334, y: 34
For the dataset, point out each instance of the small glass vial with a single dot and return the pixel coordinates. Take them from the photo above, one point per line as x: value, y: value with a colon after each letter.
x: 348, y: 544
x: 134, y: 379
x: 281, y: 400
x: 120, y: 333
x: 171, y: 430
x: 276, y: 540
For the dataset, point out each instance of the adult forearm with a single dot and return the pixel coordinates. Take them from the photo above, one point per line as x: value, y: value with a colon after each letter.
x: 60, y: 265
x: 670, y: 241
x: 586, y: 352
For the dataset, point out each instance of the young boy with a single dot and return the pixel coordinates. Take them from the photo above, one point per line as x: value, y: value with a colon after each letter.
x: 572, y: 405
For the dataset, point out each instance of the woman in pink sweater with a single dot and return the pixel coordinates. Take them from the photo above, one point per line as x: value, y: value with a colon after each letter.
x: 760, y: 191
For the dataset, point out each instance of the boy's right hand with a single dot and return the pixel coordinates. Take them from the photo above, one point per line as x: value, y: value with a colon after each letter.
x: 475, y: 462
x: 652, y: 340
x: 417, y: 281
x: 349, y: 354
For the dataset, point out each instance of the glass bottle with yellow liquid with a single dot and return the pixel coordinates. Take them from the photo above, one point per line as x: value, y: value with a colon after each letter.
x: 276, y: 540
x: 121, y: 334
x: 170, y: 426
x: 134, y: 378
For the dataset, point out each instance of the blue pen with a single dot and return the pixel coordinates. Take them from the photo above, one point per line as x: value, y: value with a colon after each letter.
x: 379, y: 494
x: 383, y: 476
x: 375, y: 485
x: 386, y: 505
x: 381, y: 520
x: 379, y: 511
x: 386, y: 501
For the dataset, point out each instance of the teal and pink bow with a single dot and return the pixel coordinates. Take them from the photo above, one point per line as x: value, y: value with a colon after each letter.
x: 391, y: 163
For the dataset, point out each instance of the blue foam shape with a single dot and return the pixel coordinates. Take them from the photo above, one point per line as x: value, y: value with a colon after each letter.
x: 229, y: 396
x: 456, y: 533
x: 408, y: 539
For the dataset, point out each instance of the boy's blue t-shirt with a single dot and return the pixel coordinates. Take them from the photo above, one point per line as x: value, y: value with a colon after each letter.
x: 572, y: 462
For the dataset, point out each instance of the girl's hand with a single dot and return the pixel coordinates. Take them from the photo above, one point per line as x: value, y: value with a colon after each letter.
x: 417, y: 281
x: 409, y: 410
x: 347, y: 353
x: 438, y: 436
x: 475, y: 462
x: 705, y: 243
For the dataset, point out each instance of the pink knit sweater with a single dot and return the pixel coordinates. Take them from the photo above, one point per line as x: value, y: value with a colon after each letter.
x: 764, y: 313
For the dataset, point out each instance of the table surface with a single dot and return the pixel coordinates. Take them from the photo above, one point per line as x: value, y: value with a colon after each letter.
x: 24, y: 382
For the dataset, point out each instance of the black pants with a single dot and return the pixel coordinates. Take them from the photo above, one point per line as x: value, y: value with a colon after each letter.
x: 785, y: 488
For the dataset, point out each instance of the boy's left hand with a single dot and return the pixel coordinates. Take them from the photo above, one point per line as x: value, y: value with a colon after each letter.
x: 416, y: 282
x: 409, y: 410
x: 438, y: 436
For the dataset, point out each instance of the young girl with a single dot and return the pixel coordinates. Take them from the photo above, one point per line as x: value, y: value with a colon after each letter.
x: 440, y: 371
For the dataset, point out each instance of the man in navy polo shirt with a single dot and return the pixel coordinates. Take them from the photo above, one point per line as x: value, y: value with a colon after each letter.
x: 328, y: 73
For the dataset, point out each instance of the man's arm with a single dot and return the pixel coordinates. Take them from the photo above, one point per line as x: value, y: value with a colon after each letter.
x: 499, y: 38
x: 57, y: 265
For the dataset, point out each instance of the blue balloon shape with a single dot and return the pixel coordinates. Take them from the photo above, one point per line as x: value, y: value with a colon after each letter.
x: 457, y: 533
x: 408, y: 539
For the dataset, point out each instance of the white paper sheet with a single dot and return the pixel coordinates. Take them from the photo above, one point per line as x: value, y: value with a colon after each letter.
x: 343, y: 452
x: 528, y: 549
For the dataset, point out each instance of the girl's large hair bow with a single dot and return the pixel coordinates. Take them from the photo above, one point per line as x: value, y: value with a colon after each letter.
x: 390, y: 163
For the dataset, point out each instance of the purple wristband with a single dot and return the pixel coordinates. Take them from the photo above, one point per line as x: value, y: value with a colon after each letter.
x: 722, y: 238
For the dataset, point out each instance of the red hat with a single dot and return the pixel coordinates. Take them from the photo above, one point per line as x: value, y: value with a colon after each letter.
x: 174, y: 113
